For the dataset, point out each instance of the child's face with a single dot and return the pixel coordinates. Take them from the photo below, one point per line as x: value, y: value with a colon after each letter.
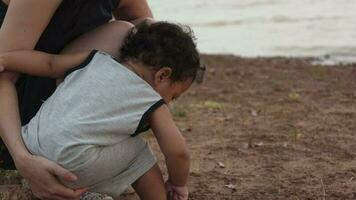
x: 168, y: 89
x: 172, y: 90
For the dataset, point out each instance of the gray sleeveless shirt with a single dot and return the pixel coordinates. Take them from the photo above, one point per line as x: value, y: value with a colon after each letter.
x: 99, y: 103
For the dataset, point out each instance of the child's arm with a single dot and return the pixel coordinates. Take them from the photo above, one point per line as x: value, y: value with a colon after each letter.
x: 172, y: 145
x: 41, y: 64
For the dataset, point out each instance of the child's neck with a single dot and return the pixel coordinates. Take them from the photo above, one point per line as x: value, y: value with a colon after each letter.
x: 140, y: 69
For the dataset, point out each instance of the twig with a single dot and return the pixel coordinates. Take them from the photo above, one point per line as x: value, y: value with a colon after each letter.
x: 324, y: 193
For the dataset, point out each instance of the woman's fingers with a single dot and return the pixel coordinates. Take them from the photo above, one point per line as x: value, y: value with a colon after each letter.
x: 62, y: 173
x: 42, y: 175
x: 60, y: 189
x: 51, y: 188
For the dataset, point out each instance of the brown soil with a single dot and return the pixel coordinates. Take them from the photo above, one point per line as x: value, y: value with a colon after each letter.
x: 276, y: 128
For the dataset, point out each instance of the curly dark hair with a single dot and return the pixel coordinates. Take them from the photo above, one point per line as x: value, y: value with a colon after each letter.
x: 164, y: 44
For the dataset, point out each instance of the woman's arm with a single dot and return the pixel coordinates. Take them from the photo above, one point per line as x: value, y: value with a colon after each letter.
x: 107, y: 38
x: 21, y: 29
x: 133, y: 10
x: 39, y: 63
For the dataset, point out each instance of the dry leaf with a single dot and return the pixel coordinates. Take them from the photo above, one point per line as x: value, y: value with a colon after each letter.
x: 294, y: 96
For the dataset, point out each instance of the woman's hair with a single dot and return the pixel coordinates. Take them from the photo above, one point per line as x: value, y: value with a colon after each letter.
x: 164, y: 44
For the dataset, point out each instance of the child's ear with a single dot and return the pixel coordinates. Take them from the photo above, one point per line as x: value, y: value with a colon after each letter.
x: 163, y: 74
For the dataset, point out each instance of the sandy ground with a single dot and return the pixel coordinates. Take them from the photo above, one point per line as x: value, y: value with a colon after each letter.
x: 273, y: 128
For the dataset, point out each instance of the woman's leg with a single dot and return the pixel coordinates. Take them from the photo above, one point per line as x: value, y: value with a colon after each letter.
x: 107, y: 38
x: 150, y: 186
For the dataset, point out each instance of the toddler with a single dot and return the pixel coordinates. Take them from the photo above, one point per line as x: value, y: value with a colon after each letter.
x: 91, y: 125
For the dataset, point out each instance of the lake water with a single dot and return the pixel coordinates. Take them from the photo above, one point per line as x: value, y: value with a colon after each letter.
x: 267, y: 27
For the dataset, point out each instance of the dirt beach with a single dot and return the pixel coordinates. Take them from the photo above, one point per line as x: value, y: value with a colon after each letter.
x: 268, y: 128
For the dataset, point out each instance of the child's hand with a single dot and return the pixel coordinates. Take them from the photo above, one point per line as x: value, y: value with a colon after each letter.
x: 176, y: 192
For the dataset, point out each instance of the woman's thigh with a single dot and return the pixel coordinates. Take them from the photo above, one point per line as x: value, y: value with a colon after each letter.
x: 108, y: 38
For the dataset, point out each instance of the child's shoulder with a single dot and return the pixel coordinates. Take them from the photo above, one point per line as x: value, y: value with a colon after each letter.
x: 96, y: 51
x: 102, y: 54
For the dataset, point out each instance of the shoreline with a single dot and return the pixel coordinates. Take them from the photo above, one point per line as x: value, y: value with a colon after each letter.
x: 323, y: 60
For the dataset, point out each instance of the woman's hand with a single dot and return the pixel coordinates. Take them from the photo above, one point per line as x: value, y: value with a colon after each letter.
x: 176, y: 192
x: 43, y: 176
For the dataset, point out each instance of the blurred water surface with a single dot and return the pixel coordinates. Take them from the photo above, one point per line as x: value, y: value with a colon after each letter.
x: 267, y: 27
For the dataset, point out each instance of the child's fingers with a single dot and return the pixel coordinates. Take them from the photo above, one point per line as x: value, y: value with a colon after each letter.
x: 1, y: 68
x: 176, y: 196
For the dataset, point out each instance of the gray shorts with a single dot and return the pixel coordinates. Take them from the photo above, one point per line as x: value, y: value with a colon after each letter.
x: 113, y: 169
x: 110, y: 169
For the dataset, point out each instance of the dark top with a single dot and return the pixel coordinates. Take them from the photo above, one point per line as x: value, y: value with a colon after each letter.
x: 71, y: 19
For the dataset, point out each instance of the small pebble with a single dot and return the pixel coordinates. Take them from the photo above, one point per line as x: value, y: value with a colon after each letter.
x: 221, y: 165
